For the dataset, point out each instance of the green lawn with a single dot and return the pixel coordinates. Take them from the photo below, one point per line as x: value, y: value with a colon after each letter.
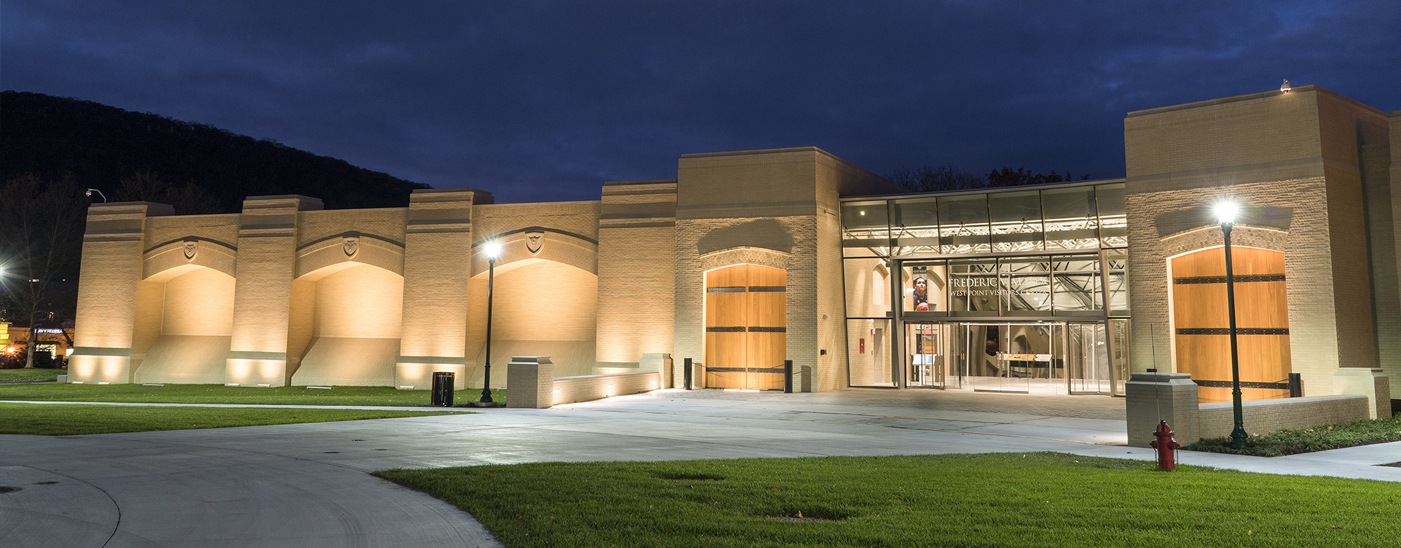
x: 217, y: 393
x: 34, y: 374
x: 1308, y: 440
x: 71, y: 420
x: 1037, y: 499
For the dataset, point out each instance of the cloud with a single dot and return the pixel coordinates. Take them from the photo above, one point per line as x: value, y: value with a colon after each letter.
x: 546, y: 100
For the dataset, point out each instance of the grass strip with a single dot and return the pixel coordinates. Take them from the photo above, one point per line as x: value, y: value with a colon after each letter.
x: 1034, y: 499
x: 1308, y: 440
x: 217, y: 393
x: 32, y: 374
x: 72, y: 420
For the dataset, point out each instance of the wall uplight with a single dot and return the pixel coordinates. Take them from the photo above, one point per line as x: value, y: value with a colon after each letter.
x: 1285, y: 86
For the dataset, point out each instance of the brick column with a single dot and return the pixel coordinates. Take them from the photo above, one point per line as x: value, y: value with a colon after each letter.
x: 1373, y: 383
x: 1152, y: 397
x: 437, y: 267
x: 267, y: 258
x: 532, y: 380
x: 107, y: 291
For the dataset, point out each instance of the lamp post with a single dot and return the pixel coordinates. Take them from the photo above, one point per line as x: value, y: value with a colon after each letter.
x: 99, y: 193
x: 492, y: 249
x: 1226, y: 215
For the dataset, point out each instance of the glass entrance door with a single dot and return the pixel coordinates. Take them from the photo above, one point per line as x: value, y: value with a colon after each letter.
x: 1014, y: 357
x: 926, y: 355
x: 1087, y: 357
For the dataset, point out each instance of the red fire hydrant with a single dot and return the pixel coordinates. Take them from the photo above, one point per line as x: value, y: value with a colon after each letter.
x: 1165, y: 446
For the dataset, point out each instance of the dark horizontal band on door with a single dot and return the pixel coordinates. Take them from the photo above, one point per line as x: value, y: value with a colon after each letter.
x: 1222, y: 279
x: 749, y: 329
x: 751, y: 289
x: 1227, y: 331
x: 779, y: 370
x: 1244, y: 384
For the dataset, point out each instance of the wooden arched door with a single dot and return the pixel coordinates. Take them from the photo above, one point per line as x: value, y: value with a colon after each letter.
x: 1201, y: 325
x: 745, y: 327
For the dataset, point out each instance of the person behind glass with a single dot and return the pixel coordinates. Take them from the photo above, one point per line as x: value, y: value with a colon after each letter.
x: 921, y: 294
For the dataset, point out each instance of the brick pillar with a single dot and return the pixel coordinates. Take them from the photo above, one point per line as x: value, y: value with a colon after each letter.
x: 1152, y: 397
x: 267, y: 259
x: 107, y: 291
x: 1373, y: 383
x: 437, y: 267
x: 532, y: 380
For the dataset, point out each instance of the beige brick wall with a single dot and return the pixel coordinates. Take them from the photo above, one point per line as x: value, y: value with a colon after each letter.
x: 361, y: 301
x: 1279, y: 155
x: 437, y: 266
x: 595, y: 387
x: 107, y: 291
x: 784, y: 201
x: 263, y: 288
x: 199, y: 303
x: 636, y: 265
x: 1217, y: 420
x: 1387, y: 330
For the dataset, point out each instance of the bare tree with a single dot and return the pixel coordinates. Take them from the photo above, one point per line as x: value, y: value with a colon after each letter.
x: 929, y: 179
x: 148, y: 186
x: 41, y: 232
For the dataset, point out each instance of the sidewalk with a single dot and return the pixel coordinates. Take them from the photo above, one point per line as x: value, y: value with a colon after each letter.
x: 306, y: 485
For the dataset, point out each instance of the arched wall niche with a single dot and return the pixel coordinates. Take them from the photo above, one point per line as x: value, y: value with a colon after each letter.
x: 537, y: 243
x: 745, y: 255
x: 540, y: 308
x: 167, y: 260
x: 344, y: 325
x: 348, y: 248
x: 184, y: 317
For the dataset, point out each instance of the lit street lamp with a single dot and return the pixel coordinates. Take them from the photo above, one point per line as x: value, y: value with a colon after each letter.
x: 1226, y: 215
x: 99, y: 193
x: 492, y: 249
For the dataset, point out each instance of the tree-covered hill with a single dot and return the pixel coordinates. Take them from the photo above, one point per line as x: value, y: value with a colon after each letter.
x: 195, y: 167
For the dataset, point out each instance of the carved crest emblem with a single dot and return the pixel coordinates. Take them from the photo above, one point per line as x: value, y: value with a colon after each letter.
x: 534, y: 241
x: 351, y: 245
x: 191, y: 248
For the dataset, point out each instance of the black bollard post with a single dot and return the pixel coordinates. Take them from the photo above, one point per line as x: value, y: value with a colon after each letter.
x: 787, y: 376
x: 687, y: 373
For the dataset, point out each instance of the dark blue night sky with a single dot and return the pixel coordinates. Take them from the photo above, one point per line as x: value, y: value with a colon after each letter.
x: 544, y: 101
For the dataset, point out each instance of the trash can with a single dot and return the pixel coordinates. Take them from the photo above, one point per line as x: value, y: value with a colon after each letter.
x: 442, y: 389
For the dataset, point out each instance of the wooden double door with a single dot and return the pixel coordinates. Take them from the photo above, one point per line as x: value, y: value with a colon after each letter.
x: 1202, y: 326
x: 746, y: 318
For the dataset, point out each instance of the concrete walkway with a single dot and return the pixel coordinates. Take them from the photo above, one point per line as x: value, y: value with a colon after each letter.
x: 306, y: 484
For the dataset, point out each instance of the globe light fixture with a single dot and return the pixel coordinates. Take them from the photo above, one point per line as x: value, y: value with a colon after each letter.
x: 1226, y: 212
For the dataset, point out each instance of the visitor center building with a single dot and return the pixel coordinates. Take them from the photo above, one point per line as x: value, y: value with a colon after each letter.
x: 749, y: 259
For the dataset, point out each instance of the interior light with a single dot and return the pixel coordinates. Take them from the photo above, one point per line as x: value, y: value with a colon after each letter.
x: 863, y: 212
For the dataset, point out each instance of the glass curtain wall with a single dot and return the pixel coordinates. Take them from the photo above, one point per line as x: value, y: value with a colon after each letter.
x: 1017, y: 255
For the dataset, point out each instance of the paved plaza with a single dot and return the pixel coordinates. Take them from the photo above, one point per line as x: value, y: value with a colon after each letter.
x: 307, y: 485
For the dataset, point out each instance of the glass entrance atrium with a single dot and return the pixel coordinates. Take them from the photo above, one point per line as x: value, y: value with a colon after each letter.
x: 1017, y: 290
